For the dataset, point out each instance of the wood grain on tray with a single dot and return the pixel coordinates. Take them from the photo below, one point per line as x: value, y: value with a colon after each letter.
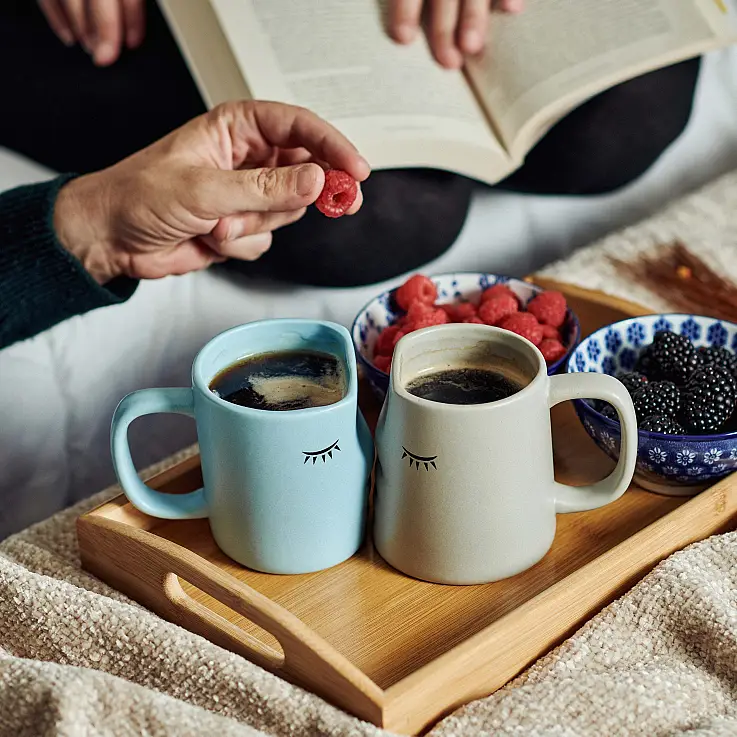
x: 390, y: 649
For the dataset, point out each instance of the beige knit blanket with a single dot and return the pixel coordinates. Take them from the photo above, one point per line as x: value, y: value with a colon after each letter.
x: 79, y: 659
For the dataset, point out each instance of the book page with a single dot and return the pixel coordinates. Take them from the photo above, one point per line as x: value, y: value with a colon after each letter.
x: 211, y: 62
x: 334, y: 57
x: 557, y: 54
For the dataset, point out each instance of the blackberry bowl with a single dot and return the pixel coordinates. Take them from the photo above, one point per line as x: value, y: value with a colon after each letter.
x: 679, y: 452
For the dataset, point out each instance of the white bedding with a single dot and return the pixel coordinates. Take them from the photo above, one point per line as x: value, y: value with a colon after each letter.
x: 58, y: 390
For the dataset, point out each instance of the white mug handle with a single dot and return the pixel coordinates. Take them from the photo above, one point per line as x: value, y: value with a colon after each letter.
x: 598, y: 386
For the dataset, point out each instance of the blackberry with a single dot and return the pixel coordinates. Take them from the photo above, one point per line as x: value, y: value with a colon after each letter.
x: 656, y: 398
x: 644, y: 364
x: 673, y: 358
x: 663, y: 424
x: 632, y: 381
x: 708, y: 400
x: 608, y: 411
x: 721, y: 357
x: 711, y: 369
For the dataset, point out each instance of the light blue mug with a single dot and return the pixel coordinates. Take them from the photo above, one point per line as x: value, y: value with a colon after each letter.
x: 285, y: 492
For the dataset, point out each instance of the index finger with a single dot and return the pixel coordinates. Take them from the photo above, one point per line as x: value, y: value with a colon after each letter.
x: 404, y: 19
x: 106, y: 19
x: 264, y: 125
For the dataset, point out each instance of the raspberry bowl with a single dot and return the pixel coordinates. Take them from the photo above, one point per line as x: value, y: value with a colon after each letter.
x: 676, y: 460
x: 461, y: 287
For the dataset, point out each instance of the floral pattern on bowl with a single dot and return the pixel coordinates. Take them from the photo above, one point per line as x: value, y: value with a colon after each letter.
x: 462, y: 286
x: 671, y: 464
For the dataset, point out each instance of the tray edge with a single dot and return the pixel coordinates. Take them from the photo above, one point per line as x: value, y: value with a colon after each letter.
x: 714, y: 509
x: 309, y: 661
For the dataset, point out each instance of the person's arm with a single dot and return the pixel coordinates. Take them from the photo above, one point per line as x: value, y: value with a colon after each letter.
x: 41, y: 282
x: 214, y: 189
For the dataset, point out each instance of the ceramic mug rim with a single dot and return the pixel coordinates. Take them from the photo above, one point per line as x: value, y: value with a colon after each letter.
x: 480, y: 331
x: 200, y: 383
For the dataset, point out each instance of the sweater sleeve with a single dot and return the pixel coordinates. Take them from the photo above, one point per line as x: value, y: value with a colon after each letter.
x: 41, y: 283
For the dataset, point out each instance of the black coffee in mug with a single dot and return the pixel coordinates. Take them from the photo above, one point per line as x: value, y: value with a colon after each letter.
x: 465, y: 385
x: 282, y: 380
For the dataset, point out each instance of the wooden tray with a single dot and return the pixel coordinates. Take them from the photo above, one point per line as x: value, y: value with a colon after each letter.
x: 392, y: 650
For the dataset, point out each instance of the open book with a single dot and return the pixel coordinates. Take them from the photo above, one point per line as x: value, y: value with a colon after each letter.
x: 399, y: 107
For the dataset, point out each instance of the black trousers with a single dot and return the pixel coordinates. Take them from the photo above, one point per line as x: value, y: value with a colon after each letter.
x: 61, y: 111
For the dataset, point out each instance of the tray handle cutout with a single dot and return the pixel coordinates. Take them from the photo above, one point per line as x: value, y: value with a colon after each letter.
x: 303, y: 656
x: 258, y: 651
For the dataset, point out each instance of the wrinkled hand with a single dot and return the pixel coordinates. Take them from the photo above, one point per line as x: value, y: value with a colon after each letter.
x: 213, y: 189
x: 102, y: 27
x: 455, y: 28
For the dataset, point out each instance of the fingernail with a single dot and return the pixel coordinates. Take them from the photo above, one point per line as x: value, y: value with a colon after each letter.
x: 306, y: 180
x: 104, y: 54
x: 67, y: 38
x: 514, y: 6
x: 452, y: 59
x: 405, y: 34
x: 471, y: 41
x: 134, y: 39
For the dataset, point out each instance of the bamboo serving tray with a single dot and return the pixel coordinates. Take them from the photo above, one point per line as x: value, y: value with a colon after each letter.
x: 392, y: 650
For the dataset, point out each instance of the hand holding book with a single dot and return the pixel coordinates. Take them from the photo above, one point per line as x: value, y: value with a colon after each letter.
x: 455, y: 28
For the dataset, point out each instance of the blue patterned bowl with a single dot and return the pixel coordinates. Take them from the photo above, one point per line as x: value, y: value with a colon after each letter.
x: 463, y: 286
x: 678, y: 465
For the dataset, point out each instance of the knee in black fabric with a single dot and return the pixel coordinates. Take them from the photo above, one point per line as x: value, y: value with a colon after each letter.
x: 72, y: 116
x: 613, y: 138
x: 408, y: 218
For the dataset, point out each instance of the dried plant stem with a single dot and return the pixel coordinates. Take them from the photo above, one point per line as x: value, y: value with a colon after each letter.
x: 682, y: 278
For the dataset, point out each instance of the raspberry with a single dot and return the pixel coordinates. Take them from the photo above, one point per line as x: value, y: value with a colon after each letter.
x: 549, y: 308
x: 496, y: 308
x: 388, y: 338
x: 496, y: 291
x: 524, y: 324
x: 550, y: 332
x: 427, y: 318
x: 474, y: 321
x: 383, y: 363
x: 416, y: 311
x: 417, y: 288
x: 552, y: 350
x: 460, y: 311
x: 338, y: 193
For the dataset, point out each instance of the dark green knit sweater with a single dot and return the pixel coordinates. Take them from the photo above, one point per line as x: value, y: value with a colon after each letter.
x: 41, y: 283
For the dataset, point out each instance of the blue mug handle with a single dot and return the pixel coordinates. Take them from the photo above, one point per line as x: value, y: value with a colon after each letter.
x: 148, y: 500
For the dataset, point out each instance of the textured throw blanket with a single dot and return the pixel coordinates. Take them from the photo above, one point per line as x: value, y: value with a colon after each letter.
x: 78, y: 659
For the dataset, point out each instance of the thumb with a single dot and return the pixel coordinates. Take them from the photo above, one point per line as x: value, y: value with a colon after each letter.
x: 269, y: 189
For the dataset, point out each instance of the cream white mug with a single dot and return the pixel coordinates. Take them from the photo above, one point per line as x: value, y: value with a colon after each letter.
x: 465, y: 493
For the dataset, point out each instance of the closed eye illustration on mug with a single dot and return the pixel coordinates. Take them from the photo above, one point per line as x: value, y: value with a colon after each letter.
x: 324, y: 453
x: 426, y: 461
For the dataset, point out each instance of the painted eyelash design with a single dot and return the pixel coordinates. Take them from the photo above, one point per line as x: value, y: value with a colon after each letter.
x: 427, y: 461
x: 314, y: 455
